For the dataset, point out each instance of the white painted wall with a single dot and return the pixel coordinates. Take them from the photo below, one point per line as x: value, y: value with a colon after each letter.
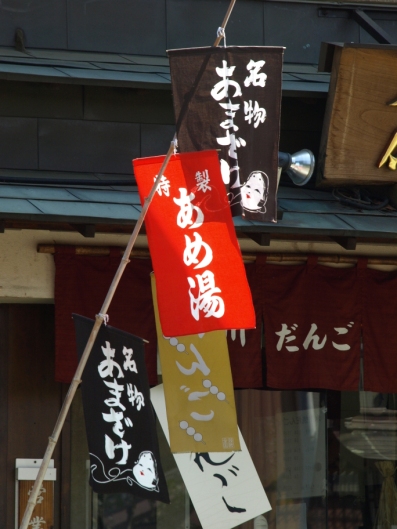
x: 27, y: 276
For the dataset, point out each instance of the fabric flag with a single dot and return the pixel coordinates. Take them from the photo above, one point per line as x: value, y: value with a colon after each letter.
x: 312, y: 319
x: 81, y: 285
x: 229, y: 98
x: 380, y: 331
x: 245, y: 345
x: 225, y: 489
x: 201, y: 280
x: 120, y: 421
x: 198, y: 388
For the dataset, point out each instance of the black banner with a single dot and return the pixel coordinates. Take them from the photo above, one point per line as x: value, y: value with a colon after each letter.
x: 229, y: 98
x: 120, y: 421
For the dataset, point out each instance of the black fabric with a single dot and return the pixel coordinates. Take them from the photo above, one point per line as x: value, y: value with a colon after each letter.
x: 120, y: 421
x: 205, y: 83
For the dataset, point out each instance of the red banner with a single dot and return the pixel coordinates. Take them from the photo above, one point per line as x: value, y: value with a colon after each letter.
x: 81, y: 284
x: 380, y: 331
x: 312, y: 318
x: 201, y: 281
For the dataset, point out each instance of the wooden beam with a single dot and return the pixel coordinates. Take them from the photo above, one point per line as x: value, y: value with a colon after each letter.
x: 251, y: 257
x: 263, y: 239
x: 348, y: 243
x: 86, y: 230
x: 370, y: 26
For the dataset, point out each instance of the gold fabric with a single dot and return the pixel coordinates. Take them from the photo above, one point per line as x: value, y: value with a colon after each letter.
x: 198, y: 390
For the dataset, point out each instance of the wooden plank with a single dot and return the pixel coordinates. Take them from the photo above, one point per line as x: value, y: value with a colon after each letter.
x: 4, y: 483
x: 44, y: 509
x: 34, y: 397
x: 359, y: 121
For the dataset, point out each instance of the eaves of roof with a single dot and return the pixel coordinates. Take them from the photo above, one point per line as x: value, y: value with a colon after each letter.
x: 110, y: 69
x: 305, y: 212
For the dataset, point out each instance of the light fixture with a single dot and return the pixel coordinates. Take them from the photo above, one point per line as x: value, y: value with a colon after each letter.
x: 299, y: 166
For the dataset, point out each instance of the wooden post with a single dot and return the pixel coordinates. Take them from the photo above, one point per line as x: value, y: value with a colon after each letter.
x: 99, y: 319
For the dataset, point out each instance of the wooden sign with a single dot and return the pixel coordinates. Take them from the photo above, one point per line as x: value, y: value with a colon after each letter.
x: 361, y: 117
x: 43, y: 513
x: 26, y: 471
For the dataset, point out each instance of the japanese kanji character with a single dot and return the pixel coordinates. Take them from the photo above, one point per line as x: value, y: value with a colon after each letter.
x: 230, y: 108
x: 200, y: 364
x: 284, y: 336
x: 203, y: 181
x: 116, y: 390
x: 40, y: 497
x: 228, y: 125
x: 36, y: 522
x: 255, y: 78
x: 116, y: 417
x: 110, y: 449
x: 129, y: 363
x: 164, y: 186
x: 205, y: 301
x: 105, y: 368
x: 221, y: 89
x: 255, y: 113
x: 202, y: 417
x: 193, y: 249
x: 314, y: 338
x: 135, y: 397
x: 230, y: 139
x: 197, y: 395
x: 207, y: 458
x: 342, y: 330
x: 242, y: 336
x: 185, y: 215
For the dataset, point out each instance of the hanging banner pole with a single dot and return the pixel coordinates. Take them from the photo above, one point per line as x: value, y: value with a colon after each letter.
x: 221, y: 31
x: 99, y: 319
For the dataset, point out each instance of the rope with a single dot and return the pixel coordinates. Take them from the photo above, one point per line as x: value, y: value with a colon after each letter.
x: 105, y: 318
x: 175, y: 143
x: 221, y: 34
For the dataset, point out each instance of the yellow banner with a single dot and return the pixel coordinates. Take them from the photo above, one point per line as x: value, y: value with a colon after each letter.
x: 198, y: 389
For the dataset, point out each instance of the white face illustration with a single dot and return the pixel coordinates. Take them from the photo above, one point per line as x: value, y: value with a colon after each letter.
x: 145, y: 471
x: 252, y: 192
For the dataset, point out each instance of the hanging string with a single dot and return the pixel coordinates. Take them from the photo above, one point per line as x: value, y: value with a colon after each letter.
x: 105, y: 318
x: 221, y: 34
x: 175, y: 143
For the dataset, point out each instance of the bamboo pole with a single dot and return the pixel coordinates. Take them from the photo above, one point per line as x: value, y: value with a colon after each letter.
x: 225, y: 21
x: 99, y: 319
x: 247, y: 256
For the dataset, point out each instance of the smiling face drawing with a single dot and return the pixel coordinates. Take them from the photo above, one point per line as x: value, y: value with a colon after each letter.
x: 145, y: 471
x: 254, y: 192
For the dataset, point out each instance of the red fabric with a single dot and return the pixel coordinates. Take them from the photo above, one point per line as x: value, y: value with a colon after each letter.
x: 245, y: 349
x: 380, y: 331
x: 81, y: 285
x: 200, y: 276
x: 293, y: 299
